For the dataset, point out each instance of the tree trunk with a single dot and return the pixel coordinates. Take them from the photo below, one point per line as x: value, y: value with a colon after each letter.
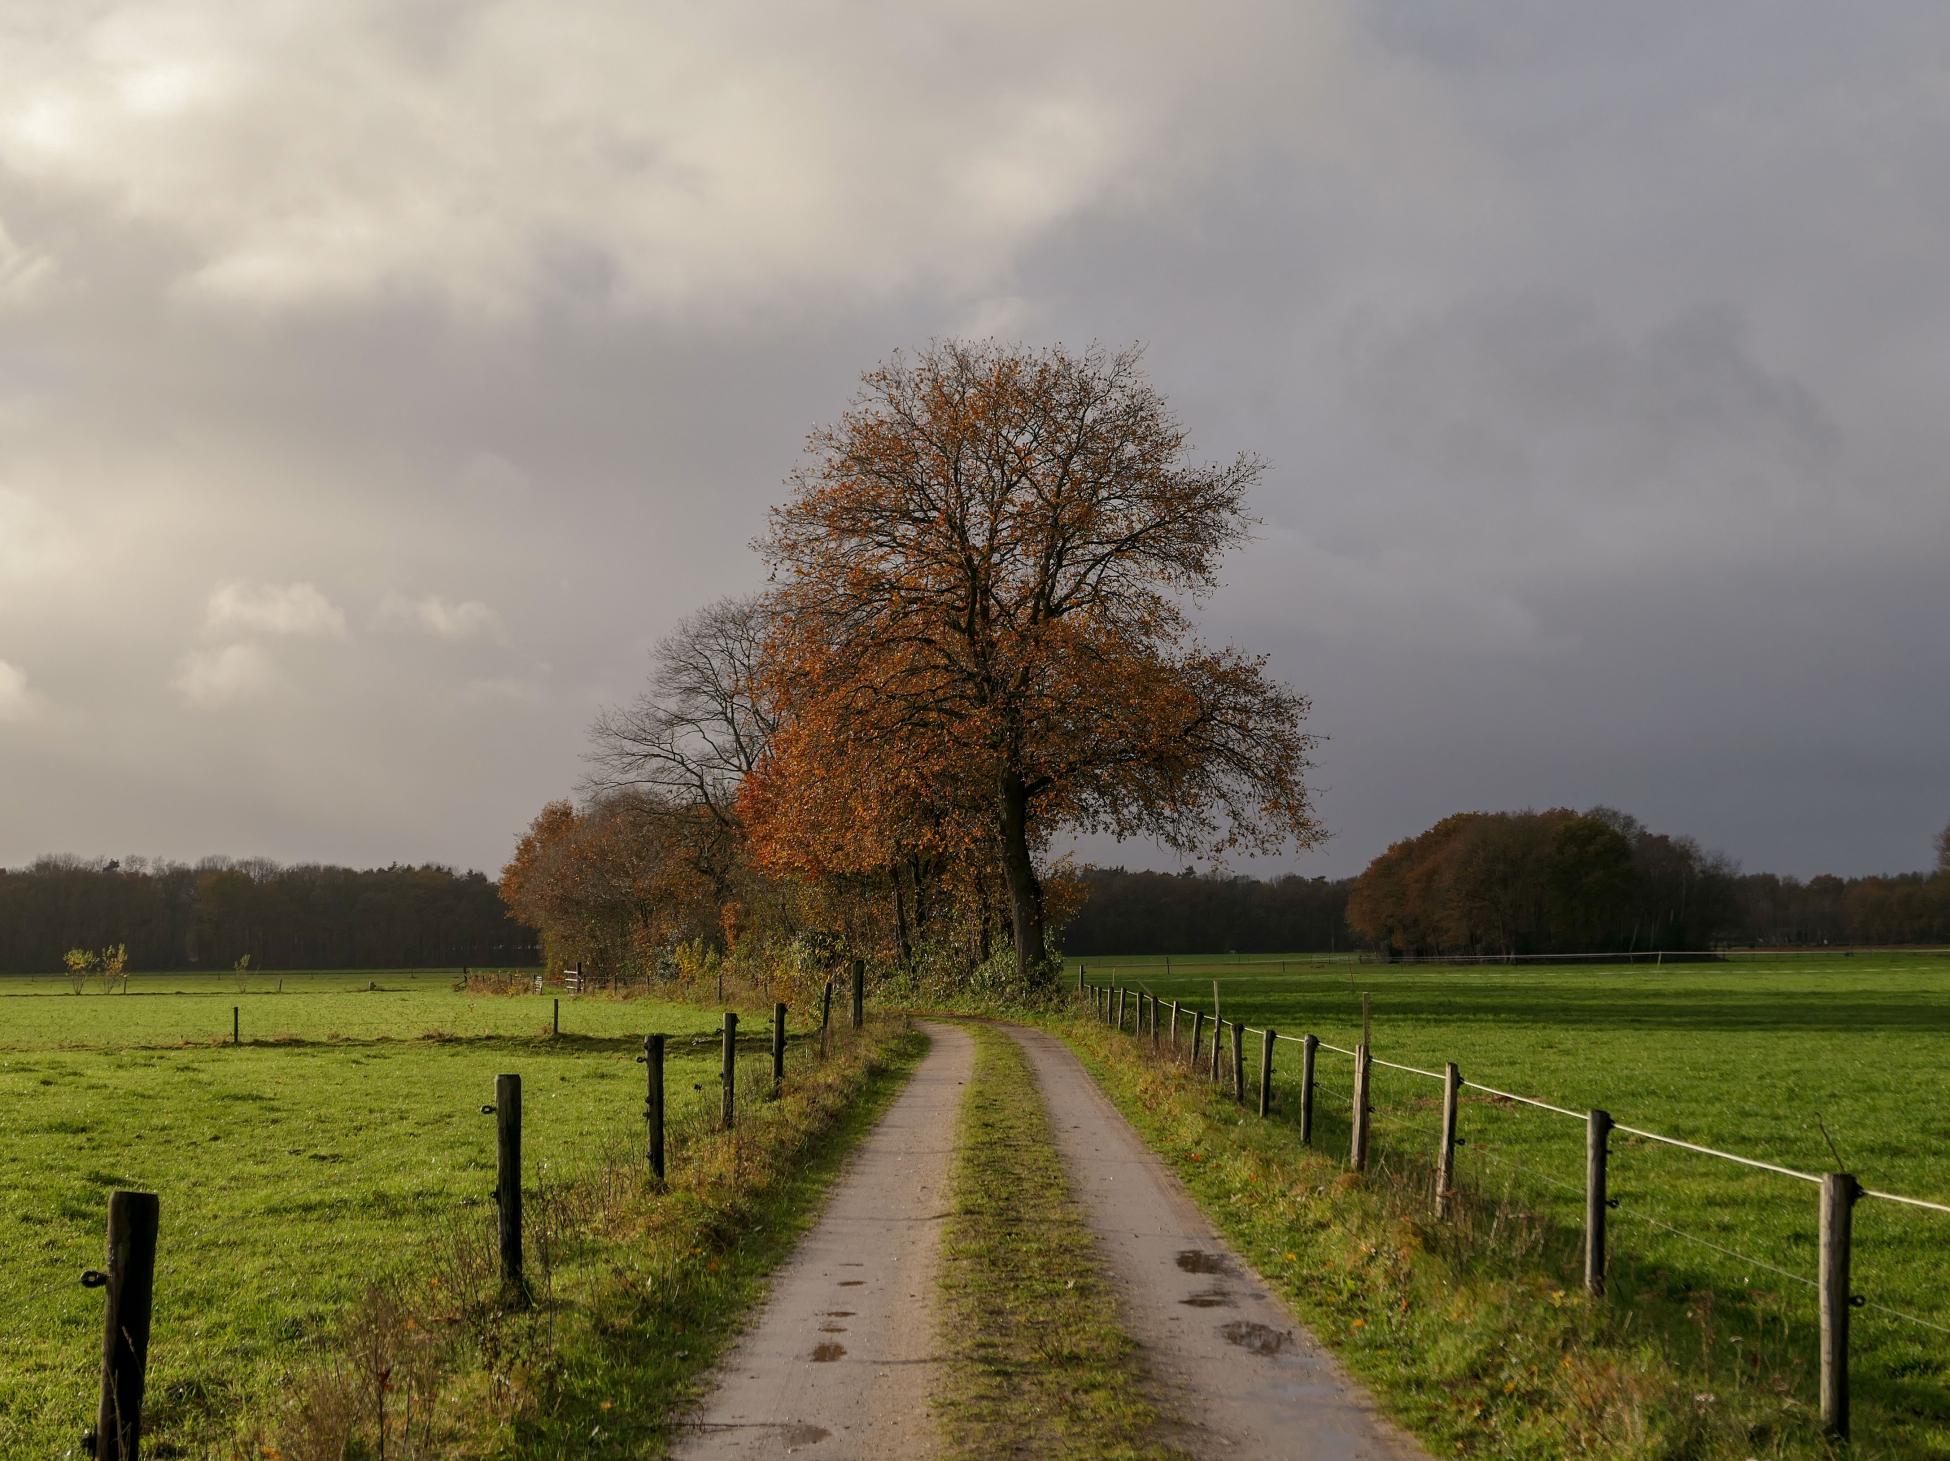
x: 1019, y: 868
x: 903, y: 949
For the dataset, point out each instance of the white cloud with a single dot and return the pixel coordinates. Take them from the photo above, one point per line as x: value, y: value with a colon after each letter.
x: 24, y: 275
x: 17, y: 701
x: 717, y: 153
x: 210, y: 679
x: 34, y: 548
x: 442, y: 618
x: 273, y: 608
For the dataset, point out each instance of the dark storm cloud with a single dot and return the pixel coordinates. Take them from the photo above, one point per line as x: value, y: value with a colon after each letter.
x: 377, y: 383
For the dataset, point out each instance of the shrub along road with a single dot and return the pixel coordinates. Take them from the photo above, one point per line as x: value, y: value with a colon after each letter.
x: 854, y: 1349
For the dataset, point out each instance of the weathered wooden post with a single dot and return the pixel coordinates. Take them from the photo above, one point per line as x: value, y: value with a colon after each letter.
x: 1838, y: 1194
x: 1266, y: 1039
x: 1445, y: 1161
x: 1597, y: 1136
x: 778, y: 1049
x: 129, y: 1286
x: 236, y: 1025
x: 1238, y: 1063
x: 1154, y: 1024
x: 1079, y: 976
x: 653, y: 1100
x: 730, y: 1076
x: 1174, y: 1027
x: 825, y: 1016
x: 1198, y: 1020
x: 1357, y: 1137
x: 1309, y: 1050
x: 555, y: 1019
x: 1122, y: 994
x: 507, y: 1186
x: 859, y: 994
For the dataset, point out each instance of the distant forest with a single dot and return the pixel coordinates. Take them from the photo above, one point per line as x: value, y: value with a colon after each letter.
x: 1512, y: 883
x: 208, y: 916
x: 1202, y: 913
x: 1480, y: 883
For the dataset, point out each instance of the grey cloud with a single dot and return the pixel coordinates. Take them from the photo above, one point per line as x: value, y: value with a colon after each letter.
x: 1597, y: 352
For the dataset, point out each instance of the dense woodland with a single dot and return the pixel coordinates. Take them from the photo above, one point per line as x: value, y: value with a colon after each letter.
x: 1199, y: 913
x: 208, y: 916
x: 176, y: 916
x: 1560, y: 881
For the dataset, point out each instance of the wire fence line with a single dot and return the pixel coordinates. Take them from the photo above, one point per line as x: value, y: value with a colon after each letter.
x: 1839, y: 1191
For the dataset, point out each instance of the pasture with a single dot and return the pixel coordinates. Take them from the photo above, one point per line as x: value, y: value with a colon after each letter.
x: 340, y: 1142
x: 1815, y: 1064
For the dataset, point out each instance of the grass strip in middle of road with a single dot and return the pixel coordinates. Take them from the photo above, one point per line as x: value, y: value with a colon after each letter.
x: 1037, y: 1363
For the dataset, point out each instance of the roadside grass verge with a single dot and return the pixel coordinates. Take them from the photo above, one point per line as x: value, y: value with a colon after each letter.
x: 1037, y: 1363
x: 1473, y: 1332
x: 634, y: 1293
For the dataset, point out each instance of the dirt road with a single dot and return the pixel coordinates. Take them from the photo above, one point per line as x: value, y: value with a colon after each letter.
x: 1223, y: 1353
x: 839, y: 1363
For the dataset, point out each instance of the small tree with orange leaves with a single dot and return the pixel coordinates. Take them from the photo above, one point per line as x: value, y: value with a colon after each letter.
x: 978, y: 634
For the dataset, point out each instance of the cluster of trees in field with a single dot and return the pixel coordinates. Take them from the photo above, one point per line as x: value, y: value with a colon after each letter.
x: 1561, y: 881
x: 1546, y: 882
x: 208, y: 915
x: 1189, y: 912
x: 974, y: 640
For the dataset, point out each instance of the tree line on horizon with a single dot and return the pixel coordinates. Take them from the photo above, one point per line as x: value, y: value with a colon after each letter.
x: 1502, y: 883
x: 210, y: 914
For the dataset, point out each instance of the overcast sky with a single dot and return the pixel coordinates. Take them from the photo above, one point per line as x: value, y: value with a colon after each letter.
x: 378, y: 381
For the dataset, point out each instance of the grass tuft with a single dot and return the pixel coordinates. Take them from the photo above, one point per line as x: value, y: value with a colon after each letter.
x: 1037, y: 1363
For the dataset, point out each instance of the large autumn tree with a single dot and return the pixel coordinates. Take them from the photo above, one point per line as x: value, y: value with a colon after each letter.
x: 982, y: 573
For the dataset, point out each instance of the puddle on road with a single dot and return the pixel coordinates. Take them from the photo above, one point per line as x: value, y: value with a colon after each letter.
x: 1197, y: 1260
x: 1209, y: 1299
x: 851, y: 1283
x: 1254, y: 1338
x: 826, y: 1353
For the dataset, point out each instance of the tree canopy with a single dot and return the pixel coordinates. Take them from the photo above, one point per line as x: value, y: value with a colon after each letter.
x: 980, y: 636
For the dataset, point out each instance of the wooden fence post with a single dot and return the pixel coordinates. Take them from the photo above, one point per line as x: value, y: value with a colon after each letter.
x: 129, y: 1287
x: 1309, y: 1051
x: 1838, y: 1194
x: 1174, y: 1027
x: 859, y: 994
x: 1154, y: 1024
x: 1238, y: 1063
x: 1445, y: 1162
x: 1357, y: 1137
x: 1266, y: 1039
x: 555, y: 1019
x: 236, y: 1026
x: 1198, y: 1021
x: 825, y: 1016
x: 778, y: 1049
x: 1218, y: 1033
x: 1122, y: 994
x: 1079, y: 976
x: 507, y: 1187
x: 730, y: 1076
x: 1597, y: 1135
x: 653, y: 1100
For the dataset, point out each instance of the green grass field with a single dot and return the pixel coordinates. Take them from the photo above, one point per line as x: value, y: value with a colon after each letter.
x: 1774, y: 1060
x: 342, y: 1140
